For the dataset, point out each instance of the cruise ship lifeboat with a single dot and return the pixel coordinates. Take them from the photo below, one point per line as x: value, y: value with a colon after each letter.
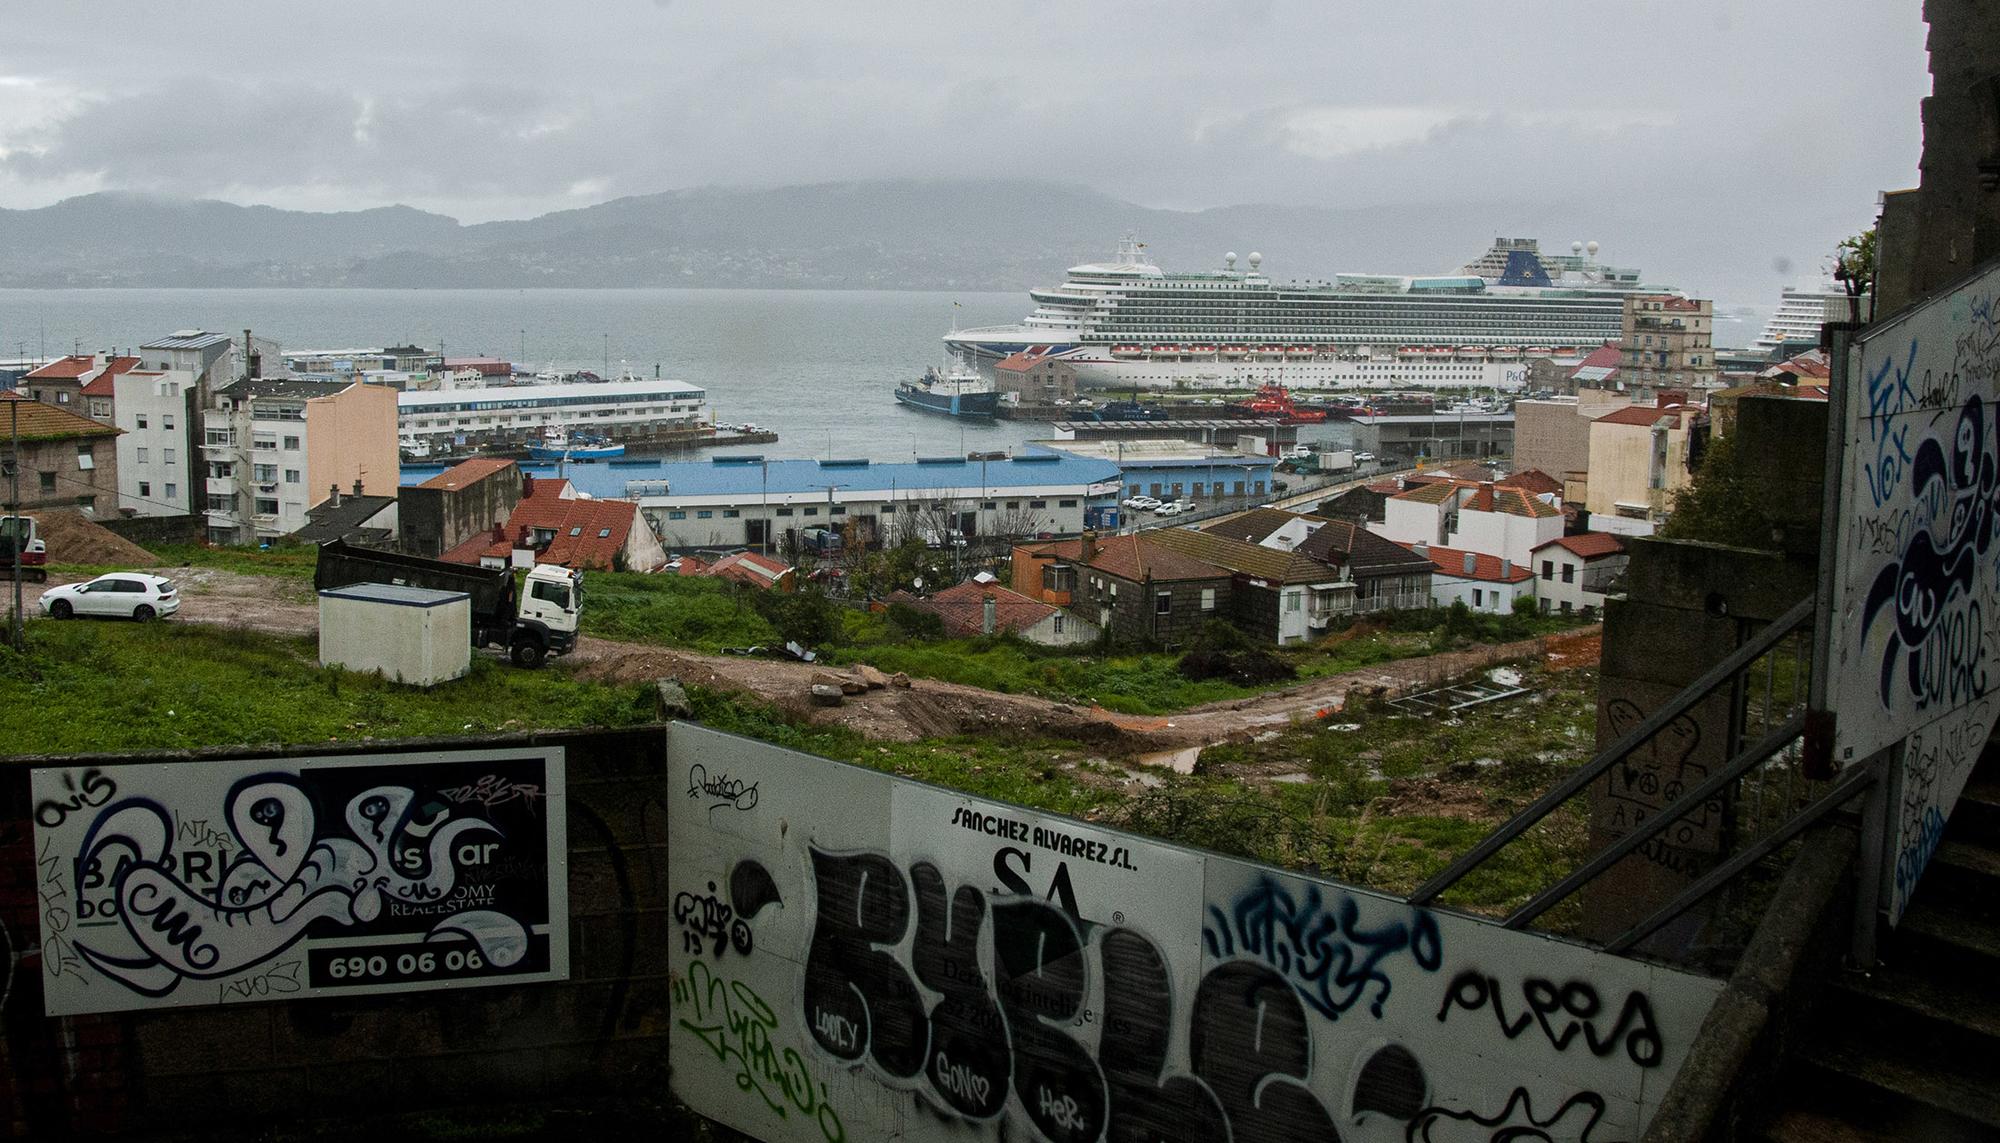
x: 1472, y: 352
x: 1438, y: 351
x: 1202, y: 350
x: 1235, y: 350
x: 1506, y: 351
x: 1539, y: 351
x: 1167, y: 349
x: 1299, y: 351
x: 1128, y: 351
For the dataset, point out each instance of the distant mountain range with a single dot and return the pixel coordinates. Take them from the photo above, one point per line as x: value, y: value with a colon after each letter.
x: 987, y: 234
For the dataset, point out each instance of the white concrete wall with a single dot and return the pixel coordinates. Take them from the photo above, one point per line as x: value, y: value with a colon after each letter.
x: 1496, y: 598
x: 1410, y: 522
x: 160, y: 484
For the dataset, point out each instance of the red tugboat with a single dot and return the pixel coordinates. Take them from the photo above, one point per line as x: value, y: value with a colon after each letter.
x: 1272, y: 399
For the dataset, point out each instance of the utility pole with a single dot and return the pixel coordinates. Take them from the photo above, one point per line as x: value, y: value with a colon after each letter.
x: 14, y: 508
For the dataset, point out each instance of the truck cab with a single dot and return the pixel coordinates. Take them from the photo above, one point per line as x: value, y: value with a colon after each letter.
x: 551, y: 602
x: 23, y: 553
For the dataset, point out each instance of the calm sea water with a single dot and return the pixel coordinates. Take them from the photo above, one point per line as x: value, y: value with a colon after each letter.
x: 817, y: 367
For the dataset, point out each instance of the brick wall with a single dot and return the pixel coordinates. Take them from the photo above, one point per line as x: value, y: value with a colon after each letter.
x: 600, y: 1033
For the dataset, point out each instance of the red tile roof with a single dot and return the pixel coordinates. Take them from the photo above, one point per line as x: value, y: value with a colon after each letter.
x: 589, y: 534
x: 962, y: 607
x: 1452, y: 562
x: 1495, y: 497
x: 1135, y: 558
x: 745, y: 567
x: 40, y: 422
x: 1533, y: 481
x: 1643, y: 415
x: 467, y: 472
x: 1588, y: 545
x: 71, y: 367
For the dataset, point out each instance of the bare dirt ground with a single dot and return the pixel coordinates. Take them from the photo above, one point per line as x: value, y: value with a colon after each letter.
x: 925, y: 709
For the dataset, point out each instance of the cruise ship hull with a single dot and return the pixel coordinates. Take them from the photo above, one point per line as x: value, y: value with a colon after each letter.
x: 1096, y: 368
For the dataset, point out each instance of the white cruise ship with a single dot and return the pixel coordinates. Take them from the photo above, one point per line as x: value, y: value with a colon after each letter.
x: 1800, y: 313
x: 437, y: 420
x: 1127, y: 323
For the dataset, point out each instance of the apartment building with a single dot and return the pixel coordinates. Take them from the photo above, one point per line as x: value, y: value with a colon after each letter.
x: 275, y: 448
x: 160, y: 467
x: 1667, y: 343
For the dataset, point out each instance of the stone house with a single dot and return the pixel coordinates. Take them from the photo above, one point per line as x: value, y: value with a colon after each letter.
x: 67, y: 460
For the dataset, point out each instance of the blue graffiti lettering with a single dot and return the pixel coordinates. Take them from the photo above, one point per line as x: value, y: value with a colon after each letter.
x: 1325, y: 952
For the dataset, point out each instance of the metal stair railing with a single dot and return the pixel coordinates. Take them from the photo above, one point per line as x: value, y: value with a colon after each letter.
x: 1727, y: 674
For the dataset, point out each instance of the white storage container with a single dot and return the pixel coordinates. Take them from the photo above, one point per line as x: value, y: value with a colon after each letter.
x: 413, y: 635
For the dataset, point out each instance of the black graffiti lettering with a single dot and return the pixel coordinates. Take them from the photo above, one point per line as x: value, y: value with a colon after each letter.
x: 1563, y: 1012
x: 707, y: 916
x: 857, y: 998
x: 1321, y: 945
x: 1138, y: 1026
x: 968, y: 1062
x: 1249, y: 1042
x: 1392, y: 1082
x: 96, y: 789
x: 1038, y: 960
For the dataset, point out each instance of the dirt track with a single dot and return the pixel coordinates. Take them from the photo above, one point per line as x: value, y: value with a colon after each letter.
x: 925, y: 709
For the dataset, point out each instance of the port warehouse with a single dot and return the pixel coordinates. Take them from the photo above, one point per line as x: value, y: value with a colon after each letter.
x: 608, y: 408
x: 747, y: 501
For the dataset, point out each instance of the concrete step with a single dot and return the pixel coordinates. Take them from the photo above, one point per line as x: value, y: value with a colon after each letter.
x: 1799, y: 1126
x: 1976, y: 818
x: 1915, y: 1004
x: 1878, y: 1088
x: 1965, y: 875
x: 1946, y: 942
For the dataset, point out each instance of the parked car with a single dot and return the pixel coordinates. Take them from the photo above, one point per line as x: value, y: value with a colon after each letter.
x: 1142, y: 503
x: 1174, y: 508
x: 128, y: 595
x: 1364, y: 458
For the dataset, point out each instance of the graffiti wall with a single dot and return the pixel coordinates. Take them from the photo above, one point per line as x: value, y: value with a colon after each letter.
x: 861, y: 957
x: 1914, y: 657
x: 259, y: 879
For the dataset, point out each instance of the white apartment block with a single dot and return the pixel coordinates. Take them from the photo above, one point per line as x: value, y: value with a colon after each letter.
x: 160, y: 471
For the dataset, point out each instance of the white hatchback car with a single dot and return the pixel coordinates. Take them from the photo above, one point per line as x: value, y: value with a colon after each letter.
x: 125, y: 594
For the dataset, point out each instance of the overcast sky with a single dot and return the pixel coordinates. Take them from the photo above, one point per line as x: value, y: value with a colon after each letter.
x: 1776, y: 121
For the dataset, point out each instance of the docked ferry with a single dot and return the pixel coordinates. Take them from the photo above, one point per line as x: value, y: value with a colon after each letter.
x: 1126, y: 323
x: 962, y: 392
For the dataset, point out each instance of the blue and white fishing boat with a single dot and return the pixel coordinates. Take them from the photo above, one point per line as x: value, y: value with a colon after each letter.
x: 961, y: 392
x: 559, y: 445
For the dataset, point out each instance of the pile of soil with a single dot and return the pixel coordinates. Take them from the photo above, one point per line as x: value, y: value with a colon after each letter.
x: 1573, y: 652
x: 73, y: 539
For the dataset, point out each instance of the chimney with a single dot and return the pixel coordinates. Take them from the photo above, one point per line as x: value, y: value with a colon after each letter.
x: 1089, y: 547
x: 1506, y: 569
x: 1421, y: 549
x: 523, y: 541
x: 499, y: 532
x: 357, y: 486
x: 527, y: 486
x: 989, y: 616
x: 333, y: 495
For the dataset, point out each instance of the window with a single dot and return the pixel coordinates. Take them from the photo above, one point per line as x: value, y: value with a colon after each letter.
x: 604, y: 533
x: 1059, y: 617
x: 145, y: 488
x: 989, y: 505
x: 1478, y: 597
x: 263, y: 440
x: 62, y: 398
x: 87, y: 503
x: 144, y: 455
x: 578, y: 530
x: 812, y: 511
x: 1566, y: 607
x: 166, y: 420
x: 141, y: 421
x: 221, y: 502
x: 84, y: 458
x: 1132, y: 491
x: 1569, y: 573
x: 731, y: 513
x: 1072, y: 503
x: 705, y: 514
x: 1293, y: 600
x: 784, y: 511
x: 220, y: 470
x: 166, y: 456
x: 292, y: 476
x: 217, y: 438
x: 681, y: 513
x: 264, y: 473
x: 1013, y: 505
x: 173, y: 490
x: 1208, y: 599
x: 48, y: 481
x: 888, y: 509
x: 292, y: 443
x: 554, y: 593
x: 1548, y: 569
x: 1163, y: 603
x: 266, y: 507
x: 838, y: 510
x: 1156, y: 490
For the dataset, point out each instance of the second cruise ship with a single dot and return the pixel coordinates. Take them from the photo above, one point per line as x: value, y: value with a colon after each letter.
x: 1128, y: 323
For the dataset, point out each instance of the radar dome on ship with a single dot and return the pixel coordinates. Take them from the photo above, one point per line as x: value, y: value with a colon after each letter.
x: 1256, y: 259
x: 1229, y: 259
x: 1576, y: 247
x: 1592, y: 247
